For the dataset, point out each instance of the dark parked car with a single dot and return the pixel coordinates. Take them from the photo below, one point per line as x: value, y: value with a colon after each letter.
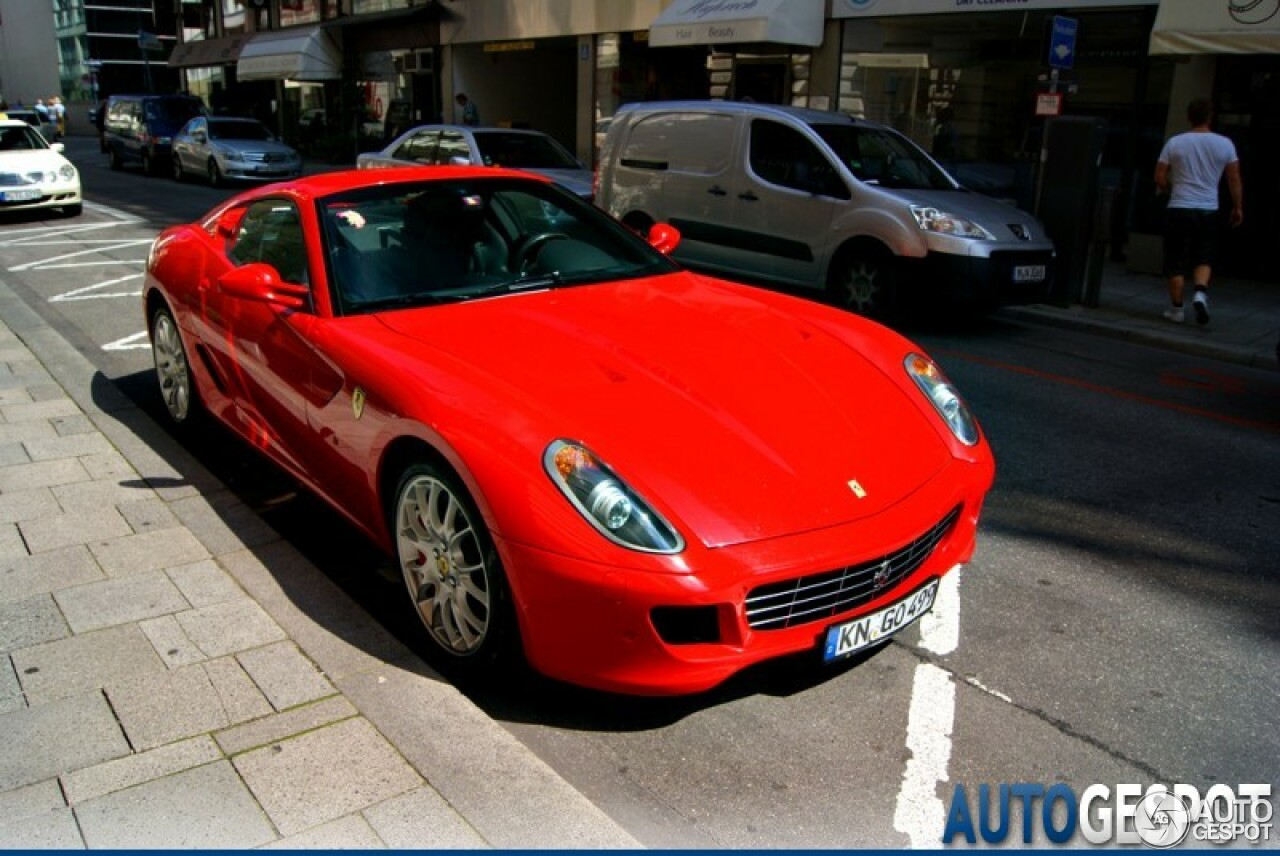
x: 140, y: 128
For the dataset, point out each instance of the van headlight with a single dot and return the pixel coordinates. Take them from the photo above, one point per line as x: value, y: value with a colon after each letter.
x: 606, y: 501
x: 944, y: 398
x: 930, y: 219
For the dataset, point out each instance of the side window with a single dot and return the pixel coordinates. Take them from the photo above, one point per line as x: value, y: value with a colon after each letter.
x: 452, y: 145
x: 271, y: 232
x: 419, y: 148
x: 783, y: 156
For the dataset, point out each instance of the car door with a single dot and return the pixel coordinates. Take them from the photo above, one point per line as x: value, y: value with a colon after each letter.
x: 786, y: 201
x: 186, y: 142
x: 261, y: 349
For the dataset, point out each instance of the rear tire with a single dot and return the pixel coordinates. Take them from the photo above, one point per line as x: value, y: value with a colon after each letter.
x: 178, y: 175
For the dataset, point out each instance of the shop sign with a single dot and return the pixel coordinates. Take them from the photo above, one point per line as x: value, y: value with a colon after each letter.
x: 883, y: 8
x: 501, y: 47
x: 1049, y: 104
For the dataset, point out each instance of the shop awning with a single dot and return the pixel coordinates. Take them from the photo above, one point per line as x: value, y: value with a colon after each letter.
x: 1226, y: 27
x: 301, y: 53
x: 711, y: 22
x: 220, y: 51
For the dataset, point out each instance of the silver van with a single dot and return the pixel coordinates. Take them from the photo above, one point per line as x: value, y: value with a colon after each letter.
x: 808, y: 198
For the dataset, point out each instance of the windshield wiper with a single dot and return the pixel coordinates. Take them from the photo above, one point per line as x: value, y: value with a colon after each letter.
x: 521, y: 283
x: 400, y: 300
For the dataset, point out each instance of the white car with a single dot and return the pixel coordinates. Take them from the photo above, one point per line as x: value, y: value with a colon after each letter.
x: 531, y: 151
x: 33, y: 172
x: 222, y: 148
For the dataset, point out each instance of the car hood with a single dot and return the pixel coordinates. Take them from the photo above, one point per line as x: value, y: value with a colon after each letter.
x: 576, y: 181
x: 24, y: 162
x: 737, y: 420
x: 995, y: 216
x: 244, y: 146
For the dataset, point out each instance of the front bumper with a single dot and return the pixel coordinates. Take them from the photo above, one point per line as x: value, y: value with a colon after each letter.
x: 50, y: 196
x: 971, y: 280
x: 652, y: 633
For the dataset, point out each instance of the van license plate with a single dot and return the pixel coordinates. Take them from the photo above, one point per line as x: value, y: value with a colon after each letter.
x: 852, y: 636
x: 1029, y: 273
x: 19, y: 195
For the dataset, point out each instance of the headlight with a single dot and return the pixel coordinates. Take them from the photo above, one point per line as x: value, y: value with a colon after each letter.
x: 232, y: 155
x: 614, y: 509
x: 67, y: 172
x: 933, y: 220
x: 944, y: 398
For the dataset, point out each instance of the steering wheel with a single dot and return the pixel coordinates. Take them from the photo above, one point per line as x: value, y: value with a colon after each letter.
x: 526, y: 253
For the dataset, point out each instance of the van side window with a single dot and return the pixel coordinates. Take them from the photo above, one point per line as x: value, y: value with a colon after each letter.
x: 694, y: 143
x: 271, y: 232
x: 783, y: 156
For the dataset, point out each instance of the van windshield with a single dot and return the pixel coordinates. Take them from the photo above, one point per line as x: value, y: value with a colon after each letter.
x: 885, y: 158
x: 173, y: 110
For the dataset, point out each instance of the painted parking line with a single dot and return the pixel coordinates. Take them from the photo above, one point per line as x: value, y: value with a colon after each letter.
x: 919, y: 813
x: 136, y: 342
x: 52, y: 262
x: 93, y: 292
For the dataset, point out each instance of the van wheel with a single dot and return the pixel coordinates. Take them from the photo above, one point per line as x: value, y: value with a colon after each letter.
x: 116, y: 163
x: 864, y: 283
x: 148, y: 166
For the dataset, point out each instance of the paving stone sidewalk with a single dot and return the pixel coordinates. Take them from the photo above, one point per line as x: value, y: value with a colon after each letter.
x: 173, y: 675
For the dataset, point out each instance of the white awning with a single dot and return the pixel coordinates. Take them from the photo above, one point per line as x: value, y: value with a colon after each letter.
x: 1223, y: 27
x: 304, y: 53
x: 713, y: 22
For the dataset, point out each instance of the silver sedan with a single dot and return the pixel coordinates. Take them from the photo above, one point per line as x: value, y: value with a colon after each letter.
x: 222, y: 148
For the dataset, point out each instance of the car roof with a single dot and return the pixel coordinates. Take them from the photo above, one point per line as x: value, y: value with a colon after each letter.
x: 804, y: 114
x: 11, y: 122
x: 326, y: 183
x: 475, y: 129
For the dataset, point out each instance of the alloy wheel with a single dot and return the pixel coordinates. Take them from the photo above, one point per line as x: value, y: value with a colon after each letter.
x: 172, y: 369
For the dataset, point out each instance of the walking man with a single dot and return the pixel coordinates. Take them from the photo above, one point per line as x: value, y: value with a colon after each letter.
x: 1189, y: 168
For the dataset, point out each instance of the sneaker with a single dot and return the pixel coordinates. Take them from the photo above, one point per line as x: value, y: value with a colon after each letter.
x: 1200, y: 303
x: 1175, y: 314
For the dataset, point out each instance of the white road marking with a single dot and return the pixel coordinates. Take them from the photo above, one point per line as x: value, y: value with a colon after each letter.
x: 129, y: 343
x: 919, y: 813
x: 34, y: 234
x: 84, y: 293
x: 44, y: 264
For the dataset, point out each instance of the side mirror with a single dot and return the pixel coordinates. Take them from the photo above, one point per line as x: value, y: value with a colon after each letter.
x: 229, y: 222
x: 261, y: 282
x: 664, y: 237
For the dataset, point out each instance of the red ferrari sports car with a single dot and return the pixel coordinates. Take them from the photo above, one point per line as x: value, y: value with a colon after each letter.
x: 642, y: 478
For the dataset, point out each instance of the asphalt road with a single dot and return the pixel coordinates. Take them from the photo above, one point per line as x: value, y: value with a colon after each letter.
x: 1120, y: 622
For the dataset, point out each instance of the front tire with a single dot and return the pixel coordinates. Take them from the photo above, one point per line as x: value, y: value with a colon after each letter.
x: 451, y: 567
x: 173, y: 371
x: 73, y: 210
x: 865, y: 282
x: 178, y: 174
x: 215, y: 174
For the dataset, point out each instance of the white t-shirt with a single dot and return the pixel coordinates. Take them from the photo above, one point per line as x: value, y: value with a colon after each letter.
x: 1196, y: 160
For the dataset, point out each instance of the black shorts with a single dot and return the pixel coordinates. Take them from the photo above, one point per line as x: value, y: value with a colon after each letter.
x: 1190, y: 239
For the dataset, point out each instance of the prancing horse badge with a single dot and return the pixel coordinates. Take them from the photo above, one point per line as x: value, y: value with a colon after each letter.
x: 858, y: 490
x: 357, y: 403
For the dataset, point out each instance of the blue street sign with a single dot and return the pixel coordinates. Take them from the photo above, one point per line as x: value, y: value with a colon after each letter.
x: 1062, y: 44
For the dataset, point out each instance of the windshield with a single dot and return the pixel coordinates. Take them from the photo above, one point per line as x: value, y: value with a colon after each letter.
x: 883, y: 157
x: 423, y: 243
x: 523, y: 151
x: 238, y: 129
x: 175, y: 111
x: 17, y: 138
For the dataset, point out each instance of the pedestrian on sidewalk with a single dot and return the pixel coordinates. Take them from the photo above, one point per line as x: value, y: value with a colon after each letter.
x: 469, y: 112
x: 1189, y: 169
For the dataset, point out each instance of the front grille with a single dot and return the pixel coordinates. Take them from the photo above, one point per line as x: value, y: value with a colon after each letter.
x: 794, y: 602
x: 266, y: 157
x: 14, y: 179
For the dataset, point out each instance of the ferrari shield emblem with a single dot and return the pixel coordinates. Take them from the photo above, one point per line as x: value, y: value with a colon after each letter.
x: 357, y: 403
x: 858, y: 490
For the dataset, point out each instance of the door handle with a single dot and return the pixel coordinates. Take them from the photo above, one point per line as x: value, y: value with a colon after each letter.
x: 749, y: 196
x: 716, y: 190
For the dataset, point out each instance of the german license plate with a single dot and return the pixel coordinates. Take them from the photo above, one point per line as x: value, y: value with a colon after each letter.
x: 19, y: 195
x: 1029, y: 273
x: 853, y: 636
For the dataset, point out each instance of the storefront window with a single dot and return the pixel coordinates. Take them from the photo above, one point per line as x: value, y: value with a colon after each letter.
x: 361, y: 7
x: 294, y: 12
